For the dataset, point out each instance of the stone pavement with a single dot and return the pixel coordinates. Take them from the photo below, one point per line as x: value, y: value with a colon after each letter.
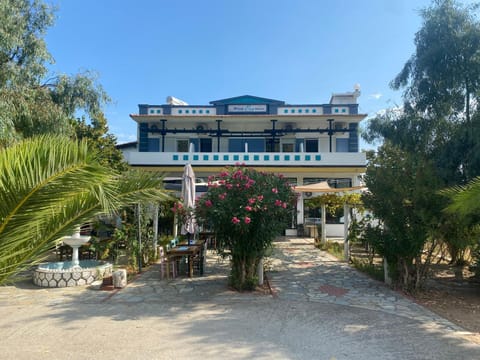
x: 320, y: 308
x: 301, y: 272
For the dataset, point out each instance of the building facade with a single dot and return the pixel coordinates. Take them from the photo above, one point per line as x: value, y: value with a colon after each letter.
x: 307, y: 143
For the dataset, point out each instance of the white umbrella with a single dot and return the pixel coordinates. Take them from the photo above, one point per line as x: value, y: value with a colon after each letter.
x: 188, y: 194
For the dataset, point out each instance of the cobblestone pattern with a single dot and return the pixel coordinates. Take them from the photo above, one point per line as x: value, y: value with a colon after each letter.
x: 302, y: 272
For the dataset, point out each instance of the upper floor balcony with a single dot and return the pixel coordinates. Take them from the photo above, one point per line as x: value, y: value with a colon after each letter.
x: 276, y: 159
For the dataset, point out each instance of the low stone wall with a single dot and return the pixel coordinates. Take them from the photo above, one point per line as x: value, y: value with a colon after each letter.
x: 70, y: 277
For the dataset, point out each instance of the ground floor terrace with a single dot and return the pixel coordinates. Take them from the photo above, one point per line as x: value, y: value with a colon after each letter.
x: 315, y: 307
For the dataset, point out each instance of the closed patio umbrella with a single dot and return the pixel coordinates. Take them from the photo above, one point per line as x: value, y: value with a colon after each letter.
x: 188, y: 195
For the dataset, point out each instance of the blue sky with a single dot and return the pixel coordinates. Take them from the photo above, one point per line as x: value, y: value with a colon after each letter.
x: 298, y: 51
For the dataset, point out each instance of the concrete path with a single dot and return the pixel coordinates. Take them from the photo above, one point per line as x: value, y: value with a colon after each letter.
x: 320, y: 309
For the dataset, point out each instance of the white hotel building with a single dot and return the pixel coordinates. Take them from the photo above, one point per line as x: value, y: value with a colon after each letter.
x: 307, y: 143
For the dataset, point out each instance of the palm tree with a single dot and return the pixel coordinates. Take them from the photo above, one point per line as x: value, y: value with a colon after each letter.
x: 49, y: 186
x: 465, y: 199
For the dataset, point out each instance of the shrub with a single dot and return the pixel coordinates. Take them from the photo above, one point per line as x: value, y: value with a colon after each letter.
x: 247, y: 210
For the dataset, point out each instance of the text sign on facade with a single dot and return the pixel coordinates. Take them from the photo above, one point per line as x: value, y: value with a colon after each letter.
x: 247, y: 108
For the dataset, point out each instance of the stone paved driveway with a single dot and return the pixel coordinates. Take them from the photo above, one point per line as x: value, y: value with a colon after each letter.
x: 321, y: 309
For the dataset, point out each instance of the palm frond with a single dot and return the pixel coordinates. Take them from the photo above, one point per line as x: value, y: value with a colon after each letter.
x: 51, y: 185
x: 465, y: 199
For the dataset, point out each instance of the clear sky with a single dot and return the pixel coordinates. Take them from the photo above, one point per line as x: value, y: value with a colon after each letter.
x: 298, y: 51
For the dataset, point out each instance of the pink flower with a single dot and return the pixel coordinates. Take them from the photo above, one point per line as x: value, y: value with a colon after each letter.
x: 229, y: 186
x: 208, y: 203
x: 235, y: 220
x: 284, y: 205
x: 248, y: 208
x: 221, y: 196
x: 247, y: 220
x: 260, y: 197
x: 275, y: 190
x: 224, y: 174
x: 252, y: 200
x: 278, y: 202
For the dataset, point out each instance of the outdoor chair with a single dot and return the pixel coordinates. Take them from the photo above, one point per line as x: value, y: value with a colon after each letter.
x: 163, y: 260
x: 200, y: 261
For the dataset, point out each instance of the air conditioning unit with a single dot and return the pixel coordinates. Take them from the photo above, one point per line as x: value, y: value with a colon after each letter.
x: 201, y: 126
x: 307, y: 194
x: 289, y: 126
x: 340, y: 125
x: 153, y: 127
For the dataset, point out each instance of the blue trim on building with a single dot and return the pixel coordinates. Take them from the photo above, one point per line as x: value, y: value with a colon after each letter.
x: 143, y: 137
x: 246, y: 100
x: 353, y: 109
x: 353, y: 137
x: 153, y: 144
x: 143, y: 109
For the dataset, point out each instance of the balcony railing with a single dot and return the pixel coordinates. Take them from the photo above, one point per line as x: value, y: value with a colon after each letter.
x: 251, y: 159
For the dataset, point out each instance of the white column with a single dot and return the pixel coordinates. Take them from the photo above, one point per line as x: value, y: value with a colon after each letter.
x: 155, y: 227
x: 346, y: 216
x: 260, y: 272
x: 388, y: 279
x: 300, y: 219
x: 175, y: 225
x: 324, y: 223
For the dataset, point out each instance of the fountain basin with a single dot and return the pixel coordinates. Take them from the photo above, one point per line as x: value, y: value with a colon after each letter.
x: 75, y: 240
x: 66, y: 274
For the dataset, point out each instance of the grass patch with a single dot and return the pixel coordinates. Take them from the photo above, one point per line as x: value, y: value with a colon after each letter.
x: 332, y: 247
x: 373, y: 270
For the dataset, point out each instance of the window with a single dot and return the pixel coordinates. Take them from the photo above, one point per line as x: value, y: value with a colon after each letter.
x: 194, y: 111
x: 311, y: 145
x: 341, y: 145
x: 288, y: 146
x: 159, y: 111
x: 314, y: 110
x: 205, y: 145
x: 179, y: 111
x: 182, y: 145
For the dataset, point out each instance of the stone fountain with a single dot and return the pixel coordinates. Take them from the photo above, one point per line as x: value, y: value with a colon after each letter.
x: 75, y: 241
x: 71, y: 273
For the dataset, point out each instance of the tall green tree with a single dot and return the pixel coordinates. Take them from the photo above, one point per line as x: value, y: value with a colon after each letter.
x: 442, y: 78
x: 23, y: 51
x: 50, y: 185
x: 402, y: 195
x: 428, y: 144
x: 31, y: 104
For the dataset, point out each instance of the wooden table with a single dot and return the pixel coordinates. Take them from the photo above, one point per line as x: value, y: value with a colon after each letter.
x: 183, y: 250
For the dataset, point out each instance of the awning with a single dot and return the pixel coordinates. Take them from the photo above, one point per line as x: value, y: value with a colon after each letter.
x: 324, y: 188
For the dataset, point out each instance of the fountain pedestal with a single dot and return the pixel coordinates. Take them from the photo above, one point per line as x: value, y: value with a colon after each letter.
x: 75, y: 241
